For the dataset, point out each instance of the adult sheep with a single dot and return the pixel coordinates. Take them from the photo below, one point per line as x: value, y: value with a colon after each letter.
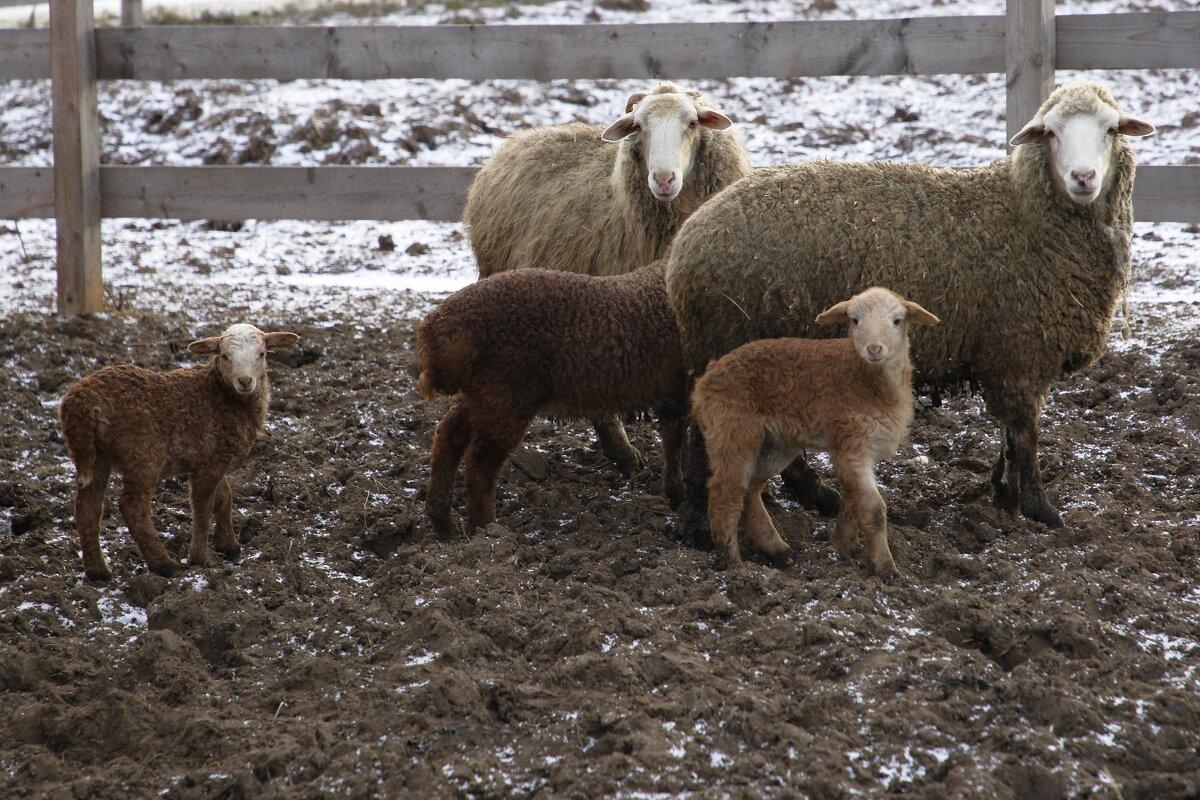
x: 603, y: 201
x: 1024, y: 259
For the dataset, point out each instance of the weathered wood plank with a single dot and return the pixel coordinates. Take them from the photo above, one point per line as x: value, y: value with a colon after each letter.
x: 1149, y: 40
x: 1029, y: 60
x: 24, y: 54
x: 76, y: 123
x: 325, y: 193
x: 1167, y: 194
x: 1162, y: 193
x: 546, y: 52
x: 26, y: 192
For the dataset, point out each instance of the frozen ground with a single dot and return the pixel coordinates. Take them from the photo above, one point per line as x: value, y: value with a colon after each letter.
x: 578, y: 650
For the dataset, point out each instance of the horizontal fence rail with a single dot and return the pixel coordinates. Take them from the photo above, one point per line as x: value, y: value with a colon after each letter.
x: 923, y: 45
x: 1161, y: 193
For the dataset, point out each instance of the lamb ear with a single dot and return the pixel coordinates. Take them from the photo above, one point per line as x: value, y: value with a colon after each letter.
x: 206, y: 347
x: 918, y: 315
x: 1131, y: 126
x: 619, y: 129
x: 280, y: 339
x: 835, y: 314
x: 711, y: 118
x: 1030, y: 133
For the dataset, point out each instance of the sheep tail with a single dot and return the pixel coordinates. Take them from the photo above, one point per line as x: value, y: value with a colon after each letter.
x: 445, y: 359
x: 81, y: 431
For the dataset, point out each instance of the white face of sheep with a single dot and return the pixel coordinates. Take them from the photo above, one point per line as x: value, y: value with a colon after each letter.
x: 1081, y: 145
x: 242, y: 355
x: 669, y: 125
x: 878, y: 321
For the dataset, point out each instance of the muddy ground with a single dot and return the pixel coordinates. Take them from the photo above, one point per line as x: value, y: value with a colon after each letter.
x: 578, y: 649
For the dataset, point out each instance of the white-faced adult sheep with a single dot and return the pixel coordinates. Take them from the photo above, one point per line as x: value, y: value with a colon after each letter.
x: 569, y: 345
x: 1024, y: 259
x: 603, y: 201
x: 762, y: 404
x: 200, y: 422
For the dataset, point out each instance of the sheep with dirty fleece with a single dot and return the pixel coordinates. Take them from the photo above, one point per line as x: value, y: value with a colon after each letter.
x: 603, y: 201
x: 763, y: 404
x: 567, y: 345
x: 1024, y: 259
x: 200, y: 422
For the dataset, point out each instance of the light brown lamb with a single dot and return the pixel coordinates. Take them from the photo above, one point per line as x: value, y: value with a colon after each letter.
x: 762, y: 404
x: 145, y: 425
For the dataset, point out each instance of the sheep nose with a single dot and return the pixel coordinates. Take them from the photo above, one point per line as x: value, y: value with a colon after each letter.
x: 664, y: 182
x: 1083, y: 177
x: 245, y: 383
x: 875, y: 351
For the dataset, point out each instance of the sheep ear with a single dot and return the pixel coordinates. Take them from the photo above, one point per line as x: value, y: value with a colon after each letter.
x: 206, y: 347
x: 918, y: 315
x: 1131, y: 126
x: 634, y: 99
x: 280, y: 339
x: 836, y: 314
x: 619, y: 129
x: 711, y: 118
x: 1035, y: 130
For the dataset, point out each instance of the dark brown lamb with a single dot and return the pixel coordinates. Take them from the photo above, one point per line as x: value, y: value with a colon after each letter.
x: 559, y: 343
x: 145, y: 425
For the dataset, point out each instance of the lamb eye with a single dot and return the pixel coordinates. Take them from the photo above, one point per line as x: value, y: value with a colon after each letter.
x: 694, y: 123
x: 854, y: 320
x: 224, y: 356
x: 896, y: 322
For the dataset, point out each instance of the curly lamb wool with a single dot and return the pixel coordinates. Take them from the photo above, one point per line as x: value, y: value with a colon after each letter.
x: 543, y: 341
x: 1025, y: 278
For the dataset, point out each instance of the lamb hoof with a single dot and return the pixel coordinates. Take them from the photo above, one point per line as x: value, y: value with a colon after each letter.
x: 887, y: 573
x: 811, y: 493
x: 230, y: 553
x: 628, y: 463
x: 166, y: 567
x: 1039, y: 510
x: 200, y: 560
x: 782, y: 559
x: 100, y: 575
x: 727, y: 562
x: 447, y: 529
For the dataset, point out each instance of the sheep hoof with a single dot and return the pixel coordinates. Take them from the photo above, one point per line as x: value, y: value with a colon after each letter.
x: 166, y: 567
x: 629, y: 463
x: 782, y: 559
x: 200, y: 560
x: 888, y: 575
x: 446, y: 528
x: 725, y: 561
x: 230, y: 553
x: 1039, y: 510
x: 100, y: 575
x: 808, y: 490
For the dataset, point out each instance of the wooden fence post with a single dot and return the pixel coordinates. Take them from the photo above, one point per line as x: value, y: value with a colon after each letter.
x: 131, y: 13
x: 76, y: 156
x: 1028, y: 60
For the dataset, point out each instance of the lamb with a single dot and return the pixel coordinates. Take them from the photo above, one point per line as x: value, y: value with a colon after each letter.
x: 762, y: 404
x: 199, y: 422
x: 519, y: 343
x: 566, y: 197
x: 1025, y: 259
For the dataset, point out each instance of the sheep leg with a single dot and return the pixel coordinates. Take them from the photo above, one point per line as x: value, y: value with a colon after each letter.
x: 1034, y: 503
x: 134, y: 505
x: 724, y: 510
x: 808, y: 489
x: 863, y: 505
x: 449, y: 443
x: 671, y: 430
x: 1004, y: 480
x: 614, y: 443
x: 486, y: 454
x: 225, y: 540
x: 89, y: 509
x: 204, y: 491
x: 693, y: 517
x: 760, y: 529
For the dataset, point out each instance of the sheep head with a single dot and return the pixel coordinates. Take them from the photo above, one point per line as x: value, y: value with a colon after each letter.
x: 1080, y: 123
x: 878, y: 323
x: 242, y: 355
x: 668, y: 120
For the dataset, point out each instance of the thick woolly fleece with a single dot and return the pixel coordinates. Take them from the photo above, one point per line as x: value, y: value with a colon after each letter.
x: 1024, y: 280
x: 562, y: 198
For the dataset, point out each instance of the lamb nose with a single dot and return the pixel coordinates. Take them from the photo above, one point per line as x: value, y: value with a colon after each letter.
x: 245, y: 382
x: 874, y: 350
x: 1083, y: 177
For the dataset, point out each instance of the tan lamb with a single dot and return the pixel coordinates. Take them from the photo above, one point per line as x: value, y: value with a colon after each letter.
x: 145, y: 425
x: 764, y: 403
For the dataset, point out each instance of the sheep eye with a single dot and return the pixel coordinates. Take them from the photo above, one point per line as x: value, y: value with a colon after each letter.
x: 896, y: 322
x: 263, y: 354
x: 694, y: 123
x: 854, y: 320
x: 224, y: 356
